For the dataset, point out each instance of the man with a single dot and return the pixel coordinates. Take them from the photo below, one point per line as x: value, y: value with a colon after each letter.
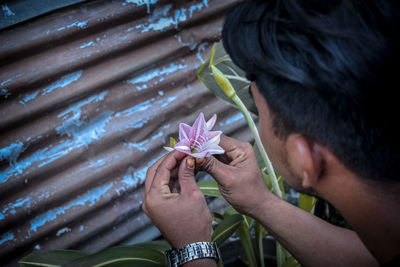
x: 324, y: 80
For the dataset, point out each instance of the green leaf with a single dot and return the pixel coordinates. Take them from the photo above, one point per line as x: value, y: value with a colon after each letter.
x: 267, y: 180
x: 227, y: 67
x: 217, y: 216
x: 121, y: 256
x: 209, y: 188
x: 50, y: 258
x: 172, y: 142
x: 248, y: 221
x: 280, y: 254
x: 230, y: 211
x: 223, y: 82
x: 226, y: 228
x: 291, y: 262
x: 160, y: 246
x: 245, y: 238
x: 306, y: 202
x: 259, y: 229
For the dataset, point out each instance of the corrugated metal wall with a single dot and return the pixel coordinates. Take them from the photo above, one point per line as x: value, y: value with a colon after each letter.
x: 89, y: 94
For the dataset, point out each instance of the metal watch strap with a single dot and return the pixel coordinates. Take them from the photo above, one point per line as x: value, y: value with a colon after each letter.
x: 193, y: 251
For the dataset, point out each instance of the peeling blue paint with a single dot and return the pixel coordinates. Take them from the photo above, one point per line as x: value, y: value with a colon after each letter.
x: 37, y: 247
x: 83, y: 134
x: 5, y: 82
x: 72, y: 115
x: 81, y: 228
x: 141, y: 3
x: 139, y: 107
x: 6, y: 237
x: 7, y: 10
x: 168, y: 101
x: 200, y: 49
x: 90, y: 198
x: 159, y: 134
x: 9, y: 208
x: 141, y: 146
x: 194, y: 8
x: 87, y: 44
x: 12, y: 152
x: 4, y: 93
x: 61, y: 83
x: 160, y: 21
x: 63, y: 231
x: 156, y: 73
x: 238, y: 116
x: 137, y: 177
x: 75, y: 109
x: 97, y: 163
x: 64, y: 81
x: 29, y: 97
x: 80, y: 24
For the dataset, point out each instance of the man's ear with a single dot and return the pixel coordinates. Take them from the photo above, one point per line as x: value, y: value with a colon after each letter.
x: 306, y: 159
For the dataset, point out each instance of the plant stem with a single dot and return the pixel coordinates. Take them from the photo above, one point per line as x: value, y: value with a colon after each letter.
x: 244, y: 234
x: 260, y: 146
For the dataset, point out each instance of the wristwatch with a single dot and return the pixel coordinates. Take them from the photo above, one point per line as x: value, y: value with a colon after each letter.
x: 193, y: 251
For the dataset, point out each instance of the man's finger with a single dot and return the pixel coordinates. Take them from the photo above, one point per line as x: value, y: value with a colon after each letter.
x: 151, y: 172
x: 231, y: 146
x: 163, y: 172
x: 186, y: 178
x: 216, y: 168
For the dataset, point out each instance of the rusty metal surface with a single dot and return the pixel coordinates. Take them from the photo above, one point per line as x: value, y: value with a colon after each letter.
x: 89, y: 94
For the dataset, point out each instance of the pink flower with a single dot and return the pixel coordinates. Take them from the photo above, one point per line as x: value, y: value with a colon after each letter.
x: 199, y: 141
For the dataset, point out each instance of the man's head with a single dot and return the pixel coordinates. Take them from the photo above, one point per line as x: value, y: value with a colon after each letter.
x: 327, y: 72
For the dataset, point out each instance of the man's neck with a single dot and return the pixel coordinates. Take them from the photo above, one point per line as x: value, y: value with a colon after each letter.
x: 371, y: 211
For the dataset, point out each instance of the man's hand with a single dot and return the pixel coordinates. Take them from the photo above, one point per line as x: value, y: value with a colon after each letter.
x: 238, y: 175
x: 175, y: 204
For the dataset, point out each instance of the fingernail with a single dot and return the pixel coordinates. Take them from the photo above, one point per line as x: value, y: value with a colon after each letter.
x: 190, y: 163
x: 199, y: 161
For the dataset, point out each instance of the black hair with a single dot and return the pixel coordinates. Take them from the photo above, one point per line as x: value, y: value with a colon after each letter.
x: 328, y: 70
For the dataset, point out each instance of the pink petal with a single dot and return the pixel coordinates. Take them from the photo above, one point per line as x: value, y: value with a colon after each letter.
x: 213, y: 138
x: 183, y: 146
x: 215, y: 149
x: 211, y: 122
x: 198, y: 127
x: 169, y: 149
x: 184, y: 131
x: 200, y: 155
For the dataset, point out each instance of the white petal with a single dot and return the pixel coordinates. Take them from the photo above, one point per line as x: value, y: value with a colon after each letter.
x: 169, y: 149
x: 211, y: 122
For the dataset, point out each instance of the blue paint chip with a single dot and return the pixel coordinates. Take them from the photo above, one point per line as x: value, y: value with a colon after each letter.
x: 90, y: 198
x: 87, y: 44
x: 12, y: 152
x: 6, y: 237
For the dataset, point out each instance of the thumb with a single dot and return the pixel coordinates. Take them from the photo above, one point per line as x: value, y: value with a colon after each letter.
x: 186, y: 178
x: 217, y: 169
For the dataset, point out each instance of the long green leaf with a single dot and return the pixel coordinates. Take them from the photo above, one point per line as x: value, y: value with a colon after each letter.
x: 245, y: 238
x: 226, y: 228
x: 221, y: 59
x: 160, y: 246
x: 209, y: 188
x: 291, y: 262
x: 259, y: 244
x: 50, y: 258
x: 121, y: 256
